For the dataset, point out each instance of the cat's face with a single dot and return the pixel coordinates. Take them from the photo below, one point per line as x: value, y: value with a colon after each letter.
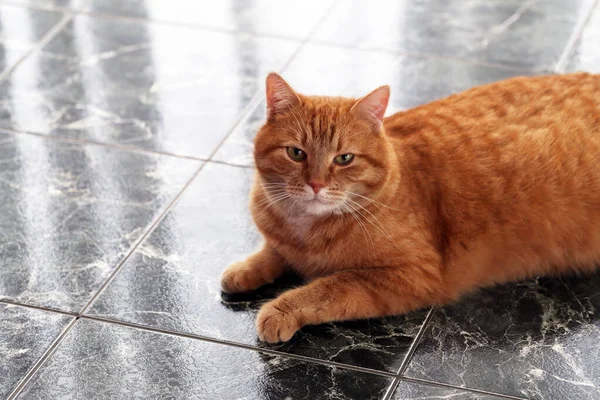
x: 321, y: 155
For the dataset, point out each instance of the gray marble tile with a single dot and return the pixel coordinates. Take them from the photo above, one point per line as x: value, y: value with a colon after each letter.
x: 273, y: 17
x: 172, y: 282
x: 105, y: 361
x: 20, y: 29
x: 354, y: 73
x: 25, y: 335
x: 51, y: 4
x: 69, y: 213
x: 523, y: 33
x: 537, y: 340
x: 420, y: 391
x: 238, y: 148
x: 131, y: 82
x: 586, y: 55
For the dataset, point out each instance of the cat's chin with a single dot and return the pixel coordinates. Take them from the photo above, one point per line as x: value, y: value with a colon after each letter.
x: 319, y: 208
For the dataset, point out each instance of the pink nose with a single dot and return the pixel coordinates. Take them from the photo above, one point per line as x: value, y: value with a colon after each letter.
x: 316, y: 186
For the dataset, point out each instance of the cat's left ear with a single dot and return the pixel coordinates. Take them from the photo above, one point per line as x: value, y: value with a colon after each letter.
x: 372, y: 106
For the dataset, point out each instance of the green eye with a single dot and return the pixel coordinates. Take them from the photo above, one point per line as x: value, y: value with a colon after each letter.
x: 343, y: 159
x: 296, y: 154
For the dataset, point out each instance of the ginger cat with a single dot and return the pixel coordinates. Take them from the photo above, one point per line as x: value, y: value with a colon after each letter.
x: 387, y: 215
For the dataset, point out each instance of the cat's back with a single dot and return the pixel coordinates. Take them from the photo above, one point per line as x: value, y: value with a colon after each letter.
x: 546, y: 122
x: 515, y: 163
x: 531, y: 102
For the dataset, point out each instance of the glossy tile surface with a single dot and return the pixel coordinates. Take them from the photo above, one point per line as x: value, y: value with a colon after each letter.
x: 272, y: 17
x: 520, y: 33
x: 586, y: 56
x: 69, y: 214
x: 52, y: 4
x: 124, y: 82
x: 25, y: 335
x: 420, y: 391
x: 537, y: 340
x: 354, y: 73
x: 114, y: 362
x: 238, y: 148
x: 20, y: 30
x: 172, y: 282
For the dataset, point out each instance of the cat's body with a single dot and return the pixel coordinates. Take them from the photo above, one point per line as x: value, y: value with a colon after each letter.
x: 498, y: 183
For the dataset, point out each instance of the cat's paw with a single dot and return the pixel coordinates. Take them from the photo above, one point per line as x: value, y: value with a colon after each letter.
x: 241, y: 278
x: 275, y: 325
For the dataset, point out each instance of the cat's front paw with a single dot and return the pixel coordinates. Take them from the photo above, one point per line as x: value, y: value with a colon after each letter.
x: 241, y: 278
x: 274, y: 325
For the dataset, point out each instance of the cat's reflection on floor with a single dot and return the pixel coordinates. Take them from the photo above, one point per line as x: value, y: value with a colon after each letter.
x: 254, y: 299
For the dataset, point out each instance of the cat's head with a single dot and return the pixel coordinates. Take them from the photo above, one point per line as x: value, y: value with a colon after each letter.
x: 321, y: 155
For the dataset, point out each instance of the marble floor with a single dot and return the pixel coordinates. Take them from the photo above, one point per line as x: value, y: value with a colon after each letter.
x: 125, y: 161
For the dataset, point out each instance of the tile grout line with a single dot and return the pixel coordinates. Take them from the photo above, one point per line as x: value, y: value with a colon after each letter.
x: 411, y: 350
x: 49, y: 351
x: 153, y: 225
x: 465, y: 389
x: 39, y: 308
x: 416, y: 342
x: 391, y: 389
x: 48, y: 36
x: 116, y: 146
x: 231, y: 164
x: 202, y: 338
x: 238, y: 345
x: 254, y: 102
x: 567, y: 53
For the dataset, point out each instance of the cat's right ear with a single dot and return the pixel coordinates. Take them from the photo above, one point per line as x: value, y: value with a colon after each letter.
x: 280, y: 96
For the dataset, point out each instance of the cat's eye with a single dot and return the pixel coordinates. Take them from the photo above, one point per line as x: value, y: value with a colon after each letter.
x: 296, y: 154
x: 343, y: 159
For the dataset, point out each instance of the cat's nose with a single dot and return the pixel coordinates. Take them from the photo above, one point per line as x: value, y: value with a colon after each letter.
x: 316, y: 186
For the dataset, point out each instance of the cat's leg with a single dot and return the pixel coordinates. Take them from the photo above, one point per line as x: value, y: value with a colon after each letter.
x: 260, y: 268
x: 351, y: 294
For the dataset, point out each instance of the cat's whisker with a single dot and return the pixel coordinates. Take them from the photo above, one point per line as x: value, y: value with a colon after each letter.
x: 294, y: 203
x: 274, y: 184
x: 378, y: 226
x: 362, y: 226
x: 272, y: 202
x: 271, y: 189
x: 372, y: 201
x: 269, y: 197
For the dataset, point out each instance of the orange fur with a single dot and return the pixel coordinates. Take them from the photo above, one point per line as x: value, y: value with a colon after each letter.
x: 498, y: 183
